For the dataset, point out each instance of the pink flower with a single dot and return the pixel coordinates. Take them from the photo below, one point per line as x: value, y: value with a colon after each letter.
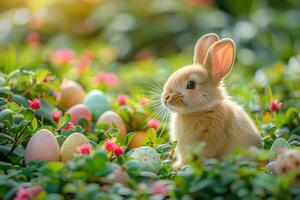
x: 159, y: 189
x: 28, y: 193
x: 118, y: 150
x: 113, y: 147
x: 144, y: 101
x: 33, y: 39
x: 84, y: 149
x: 62, y: 56
x: 154, y: 123
x: 56, y: 114
x: 35, y: 104
x: 122, y: 100
x: 275, y: 105
x: 69, y: 126
x: 22, y: 194
x: 107, y: 78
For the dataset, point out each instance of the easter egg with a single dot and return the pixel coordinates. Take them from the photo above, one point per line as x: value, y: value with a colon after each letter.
x: 68, y: 149
x: 137, y: 139
x: 71, y: 94
x: 42, y: 146
x: 80, y: 111
x: 112, y: 118
x: 97, y: 102
x: 278, y: 144
x: 148, y: 158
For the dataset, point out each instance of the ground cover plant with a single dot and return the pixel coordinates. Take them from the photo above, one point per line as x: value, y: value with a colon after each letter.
x: 80, y: 116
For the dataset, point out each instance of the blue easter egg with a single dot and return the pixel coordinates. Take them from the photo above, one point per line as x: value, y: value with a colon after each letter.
x: 97, y: 102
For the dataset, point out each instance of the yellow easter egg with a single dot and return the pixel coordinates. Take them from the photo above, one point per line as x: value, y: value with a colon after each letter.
x: 68, y: 149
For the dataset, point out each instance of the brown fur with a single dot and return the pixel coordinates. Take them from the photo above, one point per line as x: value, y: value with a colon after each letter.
x: 205, y: 113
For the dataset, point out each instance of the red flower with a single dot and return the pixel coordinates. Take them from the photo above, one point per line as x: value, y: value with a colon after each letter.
x: 159, y: 189
x: 122, y: 100
x: 118, y: 150
x: 33, y: 39
x: 56, y: 114
x: 154, y: 123
x: 113, y: 147
x: 275, y: 105
x: 69, y: 126
x: 84, y: 149
x: 107, y: 78
x: 62, y: 56
x: 109, y: 146
x: 35, y: 104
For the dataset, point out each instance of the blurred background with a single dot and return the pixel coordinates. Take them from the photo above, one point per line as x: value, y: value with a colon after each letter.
x: 142, y: 41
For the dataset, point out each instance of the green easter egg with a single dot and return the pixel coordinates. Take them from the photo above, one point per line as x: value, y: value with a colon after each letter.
x: 148, y: 158
x: 97, y: 102
x: 279, y: 143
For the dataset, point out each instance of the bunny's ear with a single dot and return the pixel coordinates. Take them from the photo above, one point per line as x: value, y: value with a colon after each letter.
x: 220, y: 58
x: 202, y: 47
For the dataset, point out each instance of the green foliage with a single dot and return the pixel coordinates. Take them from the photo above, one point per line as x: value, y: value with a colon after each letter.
x: 135, y: 46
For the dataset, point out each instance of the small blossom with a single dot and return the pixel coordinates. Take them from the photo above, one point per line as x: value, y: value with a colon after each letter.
x: 154, y: 123
x: 33, y: 39
x: 118, y: 150
x: 159, y: 189
x: 22, y: 194
x: 62, y: 56
x: 56, y: 114
x: 69, y: 126
x: 109, y: 146
x: 113, y: 147
x: 275, y: 105
x: 84, y: 149
x: 122, y: 100
x: 144, y: 101
x: 109, y: 79
x: 35, y: 104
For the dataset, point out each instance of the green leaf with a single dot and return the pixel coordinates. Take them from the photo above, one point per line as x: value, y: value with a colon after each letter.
x: 28, y: 114
x: 6, y: 115
x: 3, y: 101
x: 19, y: 99
x: 63, y: 121
x: 5, y: 136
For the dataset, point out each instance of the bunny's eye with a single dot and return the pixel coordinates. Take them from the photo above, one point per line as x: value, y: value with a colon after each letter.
x: 191, y: 85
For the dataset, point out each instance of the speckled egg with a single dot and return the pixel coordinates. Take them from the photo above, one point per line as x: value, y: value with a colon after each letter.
x: 97, y: 102
x: 80, y: 111
x: 71, y: 94
x: 112, y: 118
x: 42, y: 146
x: 68, y: 149
x: 148, y: 158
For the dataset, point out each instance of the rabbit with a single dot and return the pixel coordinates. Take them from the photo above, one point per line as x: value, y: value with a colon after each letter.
x: 201, y: 110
